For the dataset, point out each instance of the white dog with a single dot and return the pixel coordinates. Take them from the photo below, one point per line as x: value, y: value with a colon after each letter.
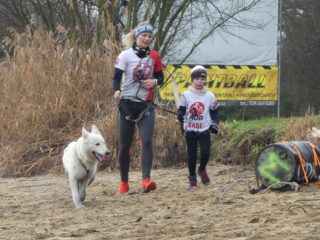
x: 80, y: 160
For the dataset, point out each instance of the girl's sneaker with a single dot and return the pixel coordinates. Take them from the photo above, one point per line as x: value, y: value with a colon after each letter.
x: 148, y: 185
x: 204, y: 177
x: 123, y: 187
x: 192, y: 184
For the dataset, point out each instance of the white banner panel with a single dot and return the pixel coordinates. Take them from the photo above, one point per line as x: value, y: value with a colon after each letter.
x: 244, y: 46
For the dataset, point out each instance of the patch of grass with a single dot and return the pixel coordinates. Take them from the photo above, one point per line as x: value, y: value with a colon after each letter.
x: 277, y: 123
x: 241, y: 141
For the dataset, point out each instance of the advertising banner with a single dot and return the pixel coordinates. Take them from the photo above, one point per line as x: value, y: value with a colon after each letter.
x: 231, y: 84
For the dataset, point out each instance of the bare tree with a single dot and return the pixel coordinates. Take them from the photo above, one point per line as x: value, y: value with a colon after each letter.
x: 177, y: 20
x: 72, y: 14
x: 174, y: 20
x: 300, y: 54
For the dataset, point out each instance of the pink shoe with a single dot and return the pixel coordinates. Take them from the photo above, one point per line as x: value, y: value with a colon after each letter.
x: 204, y: 177
x: 192, y: 184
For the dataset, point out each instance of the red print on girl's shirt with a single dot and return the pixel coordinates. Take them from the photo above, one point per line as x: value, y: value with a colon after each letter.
x: 196, y: 109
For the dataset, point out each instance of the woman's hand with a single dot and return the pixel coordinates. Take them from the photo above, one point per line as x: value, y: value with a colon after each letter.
x: 149, y: 83
x: 117, y: 94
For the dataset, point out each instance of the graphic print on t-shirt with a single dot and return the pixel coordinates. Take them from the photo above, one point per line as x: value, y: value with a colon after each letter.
x: 142, y: 71
x: 195, y: 113
x: 196, y: 110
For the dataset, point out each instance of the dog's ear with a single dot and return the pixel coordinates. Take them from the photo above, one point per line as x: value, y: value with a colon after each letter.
x: 94, y: 129
x: 85, y: 133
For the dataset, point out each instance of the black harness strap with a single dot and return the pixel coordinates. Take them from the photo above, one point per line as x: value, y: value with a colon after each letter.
x: 155, y: 105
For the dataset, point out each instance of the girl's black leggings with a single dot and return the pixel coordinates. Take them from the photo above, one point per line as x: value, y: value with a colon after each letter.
x: 204, y: 140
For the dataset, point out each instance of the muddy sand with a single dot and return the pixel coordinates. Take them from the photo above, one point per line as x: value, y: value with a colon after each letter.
x: 41, y: 208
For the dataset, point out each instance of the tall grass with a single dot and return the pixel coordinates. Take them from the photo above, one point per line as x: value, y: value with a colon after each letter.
x: 50, y: 87
x: 298, y: 128
x: 240, y: 142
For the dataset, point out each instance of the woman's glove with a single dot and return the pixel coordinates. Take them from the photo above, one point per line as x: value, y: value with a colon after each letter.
x: 214, y: 128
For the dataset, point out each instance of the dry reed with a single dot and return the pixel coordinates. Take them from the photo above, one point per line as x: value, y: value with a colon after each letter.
x: 50, y: 87
x: 298, y: 128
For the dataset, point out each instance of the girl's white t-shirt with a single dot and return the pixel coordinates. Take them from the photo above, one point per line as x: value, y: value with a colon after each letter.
x: 198, y: 106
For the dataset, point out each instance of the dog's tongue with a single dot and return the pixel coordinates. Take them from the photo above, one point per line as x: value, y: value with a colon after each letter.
x: 101, y: 158
x: 104, y: 159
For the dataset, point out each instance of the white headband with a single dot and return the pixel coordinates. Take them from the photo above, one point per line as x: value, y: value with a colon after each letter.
x: 143, y: 29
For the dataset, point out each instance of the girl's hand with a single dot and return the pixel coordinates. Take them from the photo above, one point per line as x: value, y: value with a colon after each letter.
x: 149, y: 83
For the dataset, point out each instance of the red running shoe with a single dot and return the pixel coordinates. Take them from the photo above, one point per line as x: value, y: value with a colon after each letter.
x: 148, y: 185
x: 123, y: 187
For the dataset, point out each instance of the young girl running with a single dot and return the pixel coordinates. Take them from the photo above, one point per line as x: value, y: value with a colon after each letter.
x: 198, y: 111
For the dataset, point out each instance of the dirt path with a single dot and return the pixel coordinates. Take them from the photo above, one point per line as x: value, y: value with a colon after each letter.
x: 41, y: 208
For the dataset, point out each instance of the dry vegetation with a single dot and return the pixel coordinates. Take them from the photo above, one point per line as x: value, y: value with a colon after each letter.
x: 50, y: 87
x: 298, y: 128
x: 240, y: 143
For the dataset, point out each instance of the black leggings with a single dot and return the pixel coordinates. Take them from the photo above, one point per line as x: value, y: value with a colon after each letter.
x: 146, y: 127
x: 204, y: 141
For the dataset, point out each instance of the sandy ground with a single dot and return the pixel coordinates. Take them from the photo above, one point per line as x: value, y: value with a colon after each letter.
x: 41, y: 208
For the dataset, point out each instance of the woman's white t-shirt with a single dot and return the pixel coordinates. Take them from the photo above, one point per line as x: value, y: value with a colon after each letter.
x: 136, y: 69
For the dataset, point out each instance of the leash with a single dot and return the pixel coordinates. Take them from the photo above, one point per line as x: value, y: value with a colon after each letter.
x: 142, y: 73
x: 166, y: 81
x: 145, y: 112
x: 155, y: 105
x: 164, y: 109
x: 148, y: 104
